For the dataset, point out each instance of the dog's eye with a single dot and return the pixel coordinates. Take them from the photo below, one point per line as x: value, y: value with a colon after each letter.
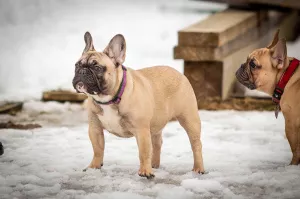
x: 94, y: 63
x: 252, y: 64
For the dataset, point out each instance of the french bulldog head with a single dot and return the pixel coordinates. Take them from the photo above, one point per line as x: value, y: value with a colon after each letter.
x: 96, y: 73
x: 263, y: 65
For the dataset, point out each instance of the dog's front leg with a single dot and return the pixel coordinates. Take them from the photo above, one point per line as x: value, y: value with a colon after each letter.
x: 143, y: 138
x: 97, y: 139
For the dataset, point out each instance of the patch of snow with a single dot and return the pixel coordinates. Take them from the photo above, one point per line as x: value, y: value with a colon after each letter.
x: 245, y: 153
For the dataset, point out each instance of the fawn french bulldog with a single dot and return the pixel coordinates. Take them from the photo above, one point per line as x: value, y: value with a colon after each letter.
x: 137, y: 103
x: 270, y: 70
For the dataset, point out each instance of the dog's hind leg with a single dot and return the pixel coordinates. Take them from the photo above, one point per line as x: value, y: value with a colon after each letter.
x: 190, y: 121
x: 156, y: 147
x: 292, y: 133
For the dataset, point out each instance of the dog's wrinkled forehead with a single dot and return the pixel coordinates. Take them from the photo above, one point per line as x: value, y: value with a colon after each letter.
x: 91, y: 57
x: 257, y: 54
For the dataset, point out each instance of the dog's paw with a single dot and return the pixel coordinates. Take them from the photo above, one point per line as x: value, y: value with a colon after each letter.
x: 295, y: 160
x: 155, y: 161
x: 155, y: 165
x: 198, y: 170
x: 146, y: 173
x: 92, y: 167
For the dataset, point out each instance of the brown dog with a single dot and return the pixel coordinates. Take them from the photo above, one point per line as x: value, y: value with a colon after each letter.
x: 136, y: 103
x: 266, y: 69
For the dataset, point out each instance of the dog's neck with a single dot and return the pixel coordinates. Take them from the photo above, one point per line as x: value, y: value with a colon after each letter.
x: 279, y: 74
x: 114, y: 90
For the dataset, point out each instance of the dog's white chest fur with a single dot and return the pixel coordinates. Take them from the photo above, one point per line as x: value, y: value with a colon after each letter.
x: 110, y: 119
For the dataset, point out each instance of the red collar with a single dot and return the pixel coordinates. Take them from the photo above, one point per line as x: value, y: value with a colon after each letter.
x: 285, y: 77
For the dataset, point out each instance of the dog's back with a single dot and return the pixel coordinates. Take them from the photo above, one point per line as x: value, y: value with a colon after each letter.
x: 177, y: 94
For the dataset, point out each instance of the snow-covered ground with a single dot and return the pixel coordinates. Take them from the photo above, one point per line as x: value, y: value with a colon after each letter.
x: 245, y: 153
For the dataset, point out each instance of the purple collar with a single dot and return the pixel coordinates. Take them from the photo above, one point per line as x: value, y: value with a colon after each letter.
x: 117, y: 97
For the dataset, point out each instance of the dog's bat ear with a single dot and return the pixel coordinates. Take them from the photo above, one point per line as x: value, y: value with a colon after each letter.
x: 116, y: 49
x: 279, y: 54
x: 275, y: 40
x: 88, y: 42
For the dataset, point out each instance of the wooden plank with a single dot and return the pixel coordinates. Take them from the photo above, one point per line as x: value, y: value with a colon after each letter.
x: 294, y: 4
x: 11, y: 108
x: 218, y: 28
x: 197, y: 53
x: 63, y: 96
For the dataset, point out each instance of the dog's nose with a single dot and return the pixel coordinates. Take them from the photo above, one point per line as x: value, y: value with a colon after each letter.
x: 80, y: 85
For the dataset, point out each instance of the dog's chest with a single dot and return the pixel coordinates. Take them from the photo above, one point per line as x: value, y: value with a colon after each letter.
x: 111, y: 121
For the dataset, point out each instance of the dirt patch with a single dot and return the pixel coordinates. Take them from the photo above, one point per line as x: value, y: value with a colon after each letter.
x: 240, y: 104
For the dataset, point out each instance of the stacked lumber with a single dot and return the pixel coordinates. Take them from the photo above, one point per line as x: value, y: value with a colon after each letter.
x: 214, y: 48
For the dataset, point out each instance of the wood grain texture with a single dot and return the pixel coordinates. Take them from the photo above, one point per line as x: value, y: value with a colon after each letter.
x: 207, y: 53
x: 218, y: 29
x: 205, y: 78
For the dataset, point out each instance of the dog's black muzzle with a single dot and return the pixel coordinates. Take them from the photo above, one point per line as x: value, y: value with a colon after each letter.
x: 243, y: 77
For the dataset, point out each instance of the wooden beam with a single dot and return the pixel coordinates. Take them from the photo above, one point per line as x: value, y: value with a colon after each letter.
x: 11, y: 108
x: 205, y: 78
x: 208, y: 53
x: 218, y: 29
x: 63, y: 96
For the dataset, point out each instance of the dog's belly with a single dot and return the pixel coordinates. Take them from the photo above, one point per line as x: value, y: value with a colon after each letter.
x: 110, y: 120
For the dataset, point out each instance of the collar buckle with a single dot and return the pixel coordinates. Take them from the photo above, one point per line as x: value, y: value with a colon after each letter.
x: 277, y: 95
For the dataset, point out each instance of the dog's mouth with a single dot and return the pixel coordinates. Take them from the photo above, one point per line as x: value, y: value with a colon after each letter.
x: 244, y: 78
x: 81, y: 87
x: 85, y: 81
